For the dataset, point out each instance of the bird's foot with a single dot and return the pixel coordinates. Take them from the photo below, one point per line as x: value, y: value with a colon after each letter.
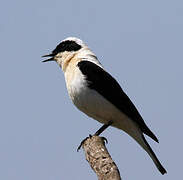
x: 105, y: 126
x: 105, y: 140
x: 82, y: 142
x: 90, y: 136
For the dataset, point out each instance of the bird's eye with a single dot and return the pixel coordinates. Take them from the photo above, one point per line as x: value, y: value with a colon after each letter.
x: 66, y: 46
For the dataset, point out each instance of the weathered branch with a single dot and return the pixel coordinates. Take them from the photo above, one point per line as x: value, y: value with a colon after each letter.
x: 99, y: 159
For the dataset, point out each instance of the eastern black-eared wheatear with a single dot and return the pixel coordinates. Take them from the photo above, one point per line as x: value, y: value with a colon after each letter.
x: 96, y: 93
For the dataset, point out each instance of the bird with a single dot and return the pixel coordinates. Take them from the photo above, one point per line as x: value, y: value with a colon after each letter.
x: 97, y: 94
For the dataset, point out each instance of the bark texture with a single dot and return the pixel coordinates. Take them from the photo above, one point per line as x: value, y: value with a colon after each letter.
x: 99, y: 159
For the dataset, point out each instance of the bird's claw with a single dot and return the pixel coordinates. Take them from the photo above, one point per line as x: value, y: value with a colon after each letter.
x: 90, y: 136
x: 82, y: 142
x: 105, y: 140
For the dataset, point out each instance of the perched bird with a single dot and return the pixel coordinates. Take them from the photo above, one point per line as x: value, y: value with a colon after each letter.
x: 96, y: 93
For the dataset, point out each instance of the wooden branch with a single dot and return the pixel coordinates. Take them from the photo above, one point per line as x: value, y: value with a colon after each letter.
x: 99, y: 158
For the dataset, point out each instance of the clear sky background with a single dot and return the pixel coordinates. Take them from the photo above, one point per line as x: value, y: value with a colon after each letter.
x: 139, y: 42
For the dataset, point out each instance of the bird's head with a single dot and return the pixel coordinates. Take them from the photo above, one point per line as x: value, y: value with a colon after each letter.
x: 65, y: 50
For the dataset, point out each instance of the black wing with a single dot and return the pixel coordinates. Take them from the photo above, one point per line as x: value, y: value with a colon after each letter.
x: 109, y: 88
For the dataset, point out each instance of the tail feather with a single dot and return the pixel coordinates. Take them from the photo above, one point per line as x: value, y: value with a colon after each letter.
x: 148, y: 132
x: 153, y: 157
x: 137, y: 134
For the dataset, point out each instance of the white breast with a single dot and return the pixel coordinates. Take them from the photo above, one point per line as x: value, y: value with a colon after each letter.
x: 90, y: 101
x: 95, y: 105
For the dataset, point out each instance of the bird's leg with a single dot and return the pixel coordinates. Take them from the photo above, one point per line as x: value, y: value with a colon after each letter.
x: 105, y: 126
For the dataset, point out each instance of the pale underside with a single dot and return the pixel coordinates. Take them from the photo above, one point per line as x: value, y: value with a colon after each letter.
x: 96, y: 106
x: 99, y: 108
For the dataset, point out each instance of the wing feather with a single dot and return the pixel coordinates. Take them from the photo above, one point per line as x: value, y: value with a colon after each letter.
x: 101, y: 81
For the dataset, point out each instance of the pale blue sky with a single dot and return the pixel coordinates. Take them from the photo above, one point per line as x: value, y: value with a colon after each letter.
x: 139, y: 42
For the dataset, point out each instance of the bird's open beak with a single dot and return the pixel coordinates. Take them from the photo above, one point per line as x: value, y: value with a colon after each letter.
x: 50, y: 59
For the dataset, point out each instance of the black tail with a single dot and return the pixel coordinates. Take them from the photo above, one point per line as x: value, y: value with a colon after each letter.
x: 154, y: 158
x: 148, y: 132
